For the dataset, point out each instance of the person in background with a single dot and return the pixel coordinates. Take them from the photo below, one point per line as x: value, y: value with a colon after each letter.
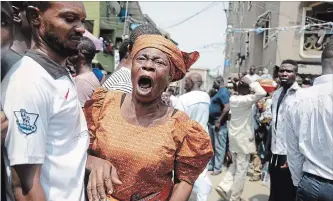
x: 212, y: 92
x: 172, y: 96
x: 262, y: 117
x: 22, y: 38
x: 265, y: 75
x: 260, y: 73
x: 217, y: 125
x: 195, y: 103
x: 252, y: 74
x: 241, y: 138
x: 121, y: 79
x: 7, y: 24
x: 99, y: 75
x: 282, y: 188
x: 166, y: 99
x: 306, y: 83
x: 46, y: 122
x: 310, y: 129
x: 85, y: 80
x: 299, y: 80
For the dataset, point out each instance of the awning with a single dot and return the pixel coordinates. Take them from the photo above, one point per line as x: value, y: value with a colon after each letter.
x: 95, y: 40
x: 309, y: 69
x: 263, y: 18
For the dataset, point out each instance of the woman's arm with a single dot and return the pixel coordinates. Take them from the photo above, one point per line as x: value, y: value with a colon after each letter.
x: 181, y: 191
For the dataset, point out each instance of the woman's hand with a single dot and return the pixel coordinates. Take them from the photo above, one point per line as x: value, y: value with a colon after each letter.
x: 102, y: 176
x: 4, y: 126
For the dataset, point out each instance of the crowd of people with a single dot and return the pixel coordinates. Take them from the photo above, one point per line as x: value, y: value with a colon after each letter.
x: 83, y: 136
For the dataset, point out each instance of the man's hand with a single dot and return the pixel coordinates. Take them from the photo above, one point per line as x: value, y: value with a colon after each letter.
x: 4, y: 126
x: 103, y: 174
x: 284, y: 166
x: 217, y: 125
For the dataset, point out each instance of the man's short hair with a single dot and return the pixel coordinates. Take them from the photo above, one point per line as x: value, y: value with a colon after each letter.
x: 41, y: 5
x: 22, y: 5
x: 171, y: 90
x: 144, y: 29
x: 328, y: 51
x: 87, y: 48
x: 123, y: 49
x: 292, y: 62
x: 220, y: 79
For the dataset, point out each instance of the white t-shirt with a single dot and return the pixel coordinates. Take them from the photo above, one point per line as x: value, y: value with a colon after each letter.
x: 253, y: 77
x: 196, y: 105
x: 46, y: 125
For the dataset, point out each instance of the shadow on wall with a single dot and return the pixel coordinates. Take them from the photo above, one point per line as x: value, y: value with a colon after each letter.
x: 259, y: 197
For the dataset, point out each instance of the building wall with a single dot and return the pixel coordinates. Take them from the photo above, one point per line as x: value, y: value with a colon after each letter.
x: 289, y: 40
x: 244, y: 15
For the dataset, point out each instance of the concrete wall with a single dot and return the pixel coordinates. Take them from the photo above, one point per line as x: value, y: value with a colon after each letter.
x: 244, y: 15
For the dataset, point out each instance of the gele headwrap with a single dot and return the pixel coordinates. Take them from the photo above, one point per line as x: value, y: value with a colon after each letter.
x: 181, y: 61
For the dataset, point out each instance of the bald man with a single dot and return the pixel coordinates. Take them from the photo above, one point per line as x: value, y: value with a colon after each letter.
x: 195, y: 103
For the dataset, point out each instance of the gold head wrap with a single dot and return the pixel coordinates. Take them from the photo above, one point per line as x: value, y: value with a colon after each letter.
x: 180, y: 61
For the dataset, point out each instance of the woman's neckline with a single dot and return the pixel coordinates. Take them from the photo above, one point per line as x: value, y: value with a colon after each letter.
x: 167, y: 116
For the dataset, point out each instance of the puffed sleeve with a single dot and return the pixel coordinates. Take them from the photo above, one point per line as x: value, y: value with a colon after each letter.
x: 92, y: 110
x: 193, y: 153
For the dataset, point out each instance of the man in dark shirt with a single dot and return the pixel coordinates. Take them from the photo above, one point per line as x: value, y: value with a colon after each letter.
x: 217, y: 125
x: 22, y: 37
x: 6, y: 41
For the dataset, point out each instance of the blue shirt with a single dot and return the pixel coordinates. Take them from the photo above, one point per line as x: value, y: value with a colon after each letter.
x: 216, y: 105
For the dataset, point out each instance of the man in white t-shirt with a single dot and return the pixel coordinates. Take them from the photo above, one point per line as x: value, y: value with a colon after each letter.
x: 195, y: 103
x: 252, y: 75
x: 47, y: 140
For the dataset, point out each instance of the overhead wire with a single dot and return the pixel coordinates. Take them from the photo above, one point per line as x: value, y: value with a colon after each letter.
x: 283, y: 14
x: 190, y: 17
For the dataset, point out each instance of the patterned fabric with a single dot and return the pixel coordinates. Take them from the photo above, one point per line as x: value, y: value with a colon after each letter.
x: 182, y: 61
x: 119, y: 80
x: 145, y: 156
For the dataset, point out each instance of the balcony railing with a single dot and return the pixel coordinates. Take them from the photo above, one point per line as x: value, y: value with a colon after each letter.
x: 311, y: 38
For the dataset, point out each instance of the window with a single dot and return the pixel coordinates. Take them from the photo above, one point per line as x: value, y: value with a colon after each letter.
x: 264, y: 21
x: 266, y: 34
x: 315, y: 38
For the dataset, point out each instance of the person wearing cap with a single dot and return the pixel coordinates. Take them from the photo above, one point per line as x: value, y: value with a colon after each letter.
x: 139, y: 143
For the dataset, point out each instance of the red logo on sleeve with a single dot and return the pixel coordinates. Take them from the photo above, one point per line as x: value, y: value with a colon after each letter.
x: 66, y: 96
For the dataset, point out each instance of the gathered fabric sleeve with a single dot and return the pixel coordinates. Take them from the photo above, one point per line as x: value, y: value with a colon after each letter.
x: 92, y: 110
x: 194, y: 151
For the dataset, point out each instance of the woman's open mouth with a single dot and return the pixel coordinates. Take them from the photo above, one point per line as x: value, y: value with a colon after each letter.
x: 145, y: 83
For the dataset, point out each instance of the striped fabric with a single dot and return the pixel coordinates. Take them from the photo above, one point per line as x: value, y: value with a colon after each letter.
x: 120, y: 81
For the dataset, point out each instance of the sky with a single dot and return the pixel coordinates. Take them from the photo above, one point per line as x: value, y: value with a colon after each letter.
x: 205, y: 28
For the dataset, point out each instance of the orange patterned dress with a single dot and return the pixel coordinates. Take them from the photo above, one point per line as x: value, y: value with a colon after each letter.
x: 145, y: 156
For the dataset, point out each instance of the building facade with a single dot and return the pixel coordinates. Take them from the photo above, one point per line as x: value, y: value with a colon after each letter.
x: 112, y: 22
x: 267, y: 49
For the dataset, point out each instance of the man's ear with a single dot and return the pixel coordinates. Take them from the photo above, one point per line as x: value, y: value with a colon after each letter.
x: 33, y: 15
x: 17, y: 14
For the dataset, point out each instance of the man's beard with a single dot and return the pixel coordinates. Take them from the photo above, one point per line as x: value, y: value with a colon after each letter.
x: 59, y: 46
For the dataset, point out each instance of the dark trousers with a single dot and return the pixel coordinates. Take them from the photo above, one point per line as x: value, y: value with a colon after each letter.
x: 314, y: 188
x: 3, y: 180
x: 282, y: 187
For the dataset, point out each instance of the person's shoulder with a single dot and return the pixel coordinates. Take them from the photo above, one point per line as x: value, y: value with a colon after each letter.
x: 25, y: 70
